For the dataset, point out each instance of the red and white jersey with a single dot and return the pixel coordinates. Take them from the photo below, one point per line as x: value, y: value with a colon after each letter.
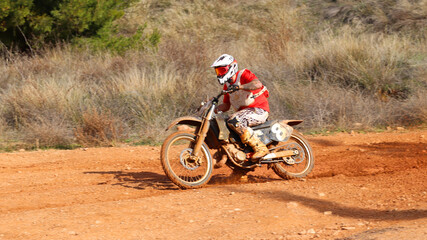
x: 244, y: 98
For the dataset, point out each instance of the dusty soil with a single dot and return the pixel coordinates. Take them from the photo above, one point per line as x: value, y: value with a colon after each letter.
x: 363, y: 186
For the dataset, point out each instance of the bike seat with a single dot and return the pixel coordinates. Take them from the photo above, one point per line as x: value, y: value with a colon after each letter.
x: 267, y: 124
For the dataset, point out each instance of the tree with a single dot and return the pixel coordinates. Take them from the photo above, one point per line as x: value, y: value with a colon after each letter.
x: 13, y: 16
x: 36, y: 22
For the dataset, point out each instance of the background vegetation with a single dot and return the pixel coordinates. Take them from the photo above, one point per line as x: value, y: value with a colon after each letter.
x: 336, y: 64
x: 28, y: 23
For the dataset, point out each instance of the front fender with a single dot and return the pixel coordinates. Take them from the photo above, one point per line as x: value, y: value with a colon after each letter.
x: 187, y: 120
x: 211, y: 139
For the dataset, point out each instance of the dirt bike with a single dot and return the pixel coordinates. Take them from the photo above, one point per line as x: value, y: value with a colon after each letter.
x: 186, y: 154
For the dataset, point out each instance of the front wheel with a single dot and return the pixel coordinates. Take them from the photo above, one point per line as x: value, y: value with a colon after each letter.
x: 299, y: 165
x: 183, y: 169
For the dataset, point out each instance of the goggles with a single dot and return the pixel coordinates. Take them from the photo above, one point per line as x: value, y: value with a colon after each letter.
x: 221, y: 71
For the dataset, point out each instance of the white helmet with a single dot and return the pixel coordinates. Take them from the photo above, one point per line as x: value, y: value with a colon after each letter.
x: 225, y: 68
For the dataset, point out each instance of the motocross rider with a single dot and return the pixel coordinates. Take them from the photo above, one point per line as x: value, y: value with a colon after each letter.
x: 249, y: 99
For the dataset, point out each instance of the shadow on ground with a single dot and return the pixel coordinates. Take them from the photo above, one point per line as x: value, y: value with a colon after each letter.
x: 149, y: 180
x: 339, y: 209
x: 138, y: 180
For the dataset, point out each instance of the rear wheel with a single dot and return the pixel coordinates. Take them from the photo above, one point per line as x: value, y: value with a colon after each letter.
x: 180, y: 166
x: 296, y: 166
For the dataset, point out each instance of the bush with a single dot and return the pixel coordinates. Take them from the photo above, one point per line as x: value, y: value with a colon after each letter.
x: 389, y: 16
x: 373, y: 64
x: 109, y: 38
x: 28, y: 23
x: 53, y: 131
x: 99, y: 129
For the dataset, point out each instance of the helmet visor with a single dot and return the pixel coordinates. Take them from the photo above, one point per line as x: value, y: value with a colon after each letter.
x: 221, y: 71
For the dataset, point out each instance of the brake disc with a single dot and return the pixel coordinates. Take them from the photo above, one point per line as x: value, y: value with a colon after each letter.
x: 187, y: 161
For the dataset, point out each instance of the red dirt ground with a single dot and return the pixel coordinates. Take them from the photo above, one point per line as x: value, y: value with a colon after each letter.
x: 363, y: 186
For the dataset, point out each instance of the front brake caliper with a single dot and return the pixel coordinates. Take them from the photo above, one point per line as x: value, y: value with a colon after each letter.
x: 196, y: 159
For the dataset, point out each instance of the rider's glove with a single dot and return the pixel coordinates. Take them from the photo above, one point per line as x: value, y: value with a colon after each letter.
x: 233, y: 88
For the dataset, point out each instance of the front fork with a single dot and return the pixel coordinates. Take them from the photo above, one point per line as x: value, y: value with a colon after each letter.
x: 202, y: 133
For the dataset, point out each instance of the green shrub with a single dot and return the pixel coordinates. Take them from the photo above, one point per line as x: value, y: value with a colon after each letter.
x: 27, y: 23
x: 109, y: 38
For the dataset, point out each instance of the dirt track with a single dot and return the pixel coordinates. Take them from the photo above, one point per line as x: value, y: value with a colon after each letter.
x: 364, y: 186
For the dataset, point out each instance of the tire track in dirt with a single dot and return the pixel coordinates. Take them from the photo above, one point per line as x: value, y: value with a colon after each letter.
x: 367, y: 181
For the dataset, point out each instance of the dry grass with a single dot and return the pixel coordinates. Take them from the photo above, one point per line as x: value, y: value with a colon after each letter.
x: 51, y: 131
x: 99, y: 129
x: 331, y: 75
x: 409, y: 17
x: 375, y: 64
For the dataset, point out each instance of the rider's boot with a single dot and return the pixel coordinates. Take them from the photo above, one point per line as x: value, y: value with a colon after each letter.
x: 257, y: 145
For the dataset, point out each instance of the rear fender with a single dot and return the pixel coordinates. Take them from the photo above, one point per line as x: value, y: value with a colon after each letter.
x: 292, y: 122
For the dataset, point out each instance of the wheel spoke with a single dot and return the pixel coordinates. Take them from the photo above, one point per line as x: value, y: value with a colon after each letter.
x: 298, y: 165
x: 180, y: 164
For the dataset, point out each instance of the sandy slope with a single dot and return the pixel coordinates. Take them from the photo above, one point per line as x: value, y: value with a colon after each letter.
x: 364, y: 186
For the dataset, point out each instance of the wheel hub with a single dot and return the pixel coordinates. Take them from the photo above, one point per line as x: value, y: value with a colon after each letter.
x: 189, y: 161
x: 299, y: 154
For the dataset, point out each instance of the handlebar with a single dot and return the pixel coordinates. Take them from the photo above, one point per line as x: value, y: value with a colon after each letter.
x: 223, y: 92
x: 212, y: 102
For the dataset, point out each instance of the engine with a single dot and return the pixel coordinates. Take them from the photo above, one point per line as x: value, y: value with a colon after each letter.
x: 236, y: 153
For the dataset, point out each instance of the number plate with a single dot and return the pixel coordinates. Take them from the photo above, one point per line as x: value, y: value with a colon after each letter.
x: 280, y: 133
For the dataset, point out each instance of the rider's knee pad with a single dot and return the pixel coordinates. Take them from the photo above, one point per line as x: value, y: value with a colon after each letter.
x: 233, y: 123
